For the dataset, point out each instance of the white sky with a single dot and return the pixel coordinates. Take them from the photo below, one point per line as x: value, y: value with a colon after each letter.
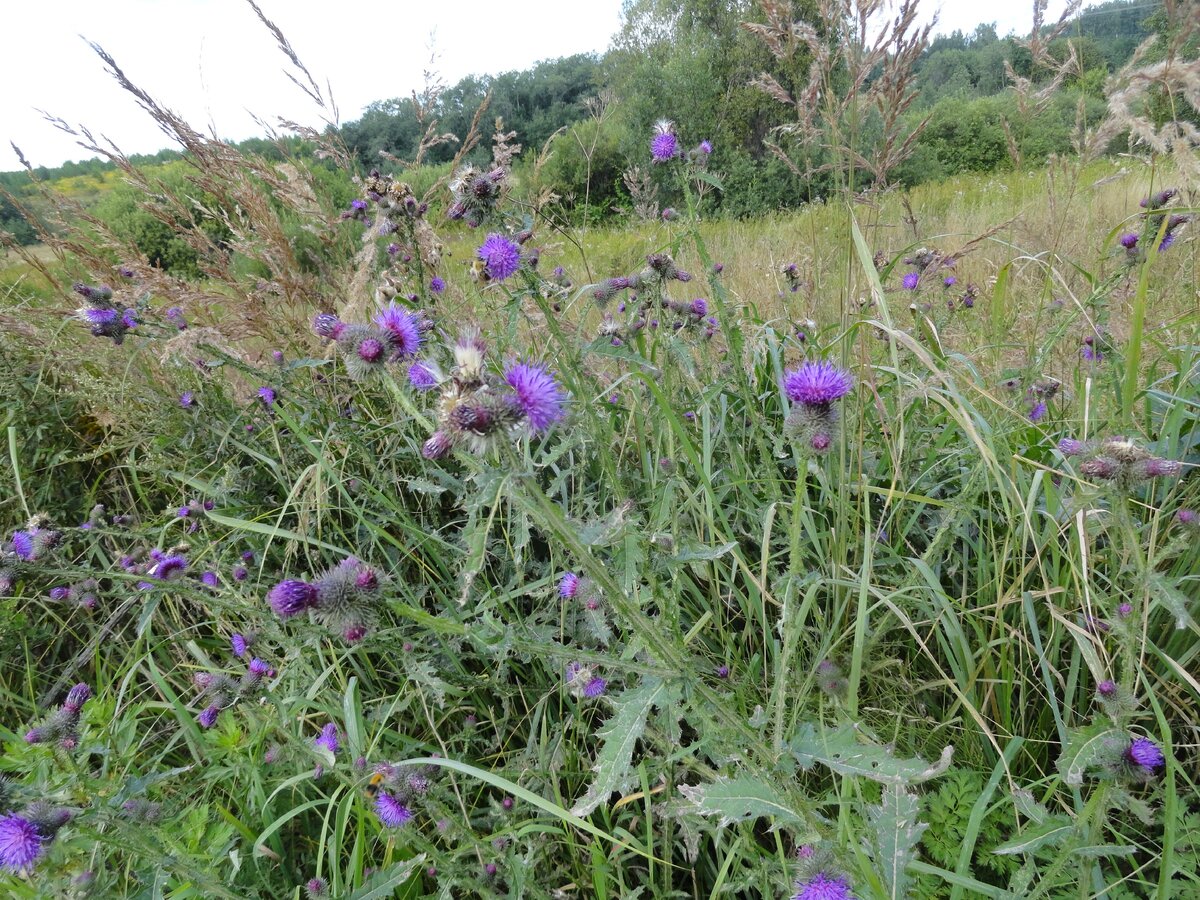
x: 214, y: 63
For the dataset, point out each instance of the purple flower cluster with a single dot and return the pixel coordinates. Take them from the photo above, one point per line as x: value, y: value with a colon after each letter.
x: 475, y: 195
x: 395, y: 334
x: 477, y: 408
x: 1118, y: 462
x: 102, y: 314
x: 25, y: 836
x: 345, y: 599
x: 219, y: 691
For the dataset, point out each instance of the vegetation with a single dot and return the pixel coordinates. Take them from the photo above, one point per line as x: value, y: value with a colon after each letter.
x: 389, y: 534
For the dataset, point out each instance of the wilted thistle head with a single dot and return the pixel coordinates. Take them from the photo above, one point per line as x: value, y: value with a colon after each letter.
x: 327, y: 325
x: 537, y: 395
x: 500, y: 256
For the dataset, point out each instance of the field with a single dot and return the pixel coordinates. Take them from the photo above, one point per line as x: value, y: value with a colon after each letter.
x: 849, y: 552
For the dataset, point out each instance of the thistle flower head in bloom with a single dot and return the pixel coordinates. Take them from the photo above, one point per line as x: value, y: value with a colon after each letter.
x: 1145, y: 756
x: 21, y: 843
x: 823, y: 886
x: 365, y: 349
x: 536, y: 394
x: 327, y: 325
x: 664, y: 146
x: 817, y: 384
x: 436, y: 285
x: 316, y: 889
x: 1129, y: 240
x: 328, y: 738
x: 391, y: 811
x: 403, y: 327
x: 568, y: 586
x: 291, y: 597
x: 501, y: 257
x: 910, y: 280
x: 421, y: 377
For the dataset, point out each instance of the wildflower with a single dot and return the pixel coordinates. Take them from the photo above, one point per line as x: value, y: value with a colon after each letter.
x: 1129, y: 240
x: 316, y: 888
x: 1107, y: 689
x: 1071, y: 447
x: 436, y: 285
x: 239, y: 644
x: 949, y: 281
x: 240, y: 573
x: 500, y: 256
x: 186, y: 399
x: 392, y: 813
x: 208, y: 716
x: 404, y: 328
x: 328, y: 738
x: 568, y: 587
x: 210, y: 579
x: 910, y: 281
x: 290, y: 598
x: 1187, y: 517
x: 816, y: 384
x: 594, y: 688
x: 1038, y: 412
x: 706, y: 148
x: 664, y: 146
x: 722, y: 672
x: 538, y: 395
x: 174, y: 315
x: 267, y: 396
x: 1145, y: 756
x: 21, y: 842
x: 421, y: 377
x: 169, y: 568
x: 1159, y: 200
x: 327, y: 325
x: 823, y: 886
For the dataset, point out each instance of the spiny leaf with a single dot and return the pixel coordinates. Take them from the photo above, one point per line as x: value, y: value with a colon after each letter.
x: 1084, y: 747
x: 841, y: 751
x: 1050, y: 833
x: 384, y: 884
x: 741, y: 799
x: 896, y: 834
x: 620, y: 733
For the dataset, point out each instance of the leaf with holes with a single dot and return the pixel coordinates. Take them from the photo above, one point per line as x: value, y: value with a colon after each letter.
x: 841, y: 751
x: 741, y: 799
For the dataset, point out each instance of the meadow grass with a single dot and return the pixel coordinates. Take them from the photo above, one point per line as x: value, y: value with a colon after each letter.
x: 887, y: 653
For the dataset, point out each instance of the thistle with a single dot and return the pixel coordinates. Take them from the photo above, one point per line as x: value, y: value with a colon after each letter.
x: 61, y: 727
x: 813, y: 388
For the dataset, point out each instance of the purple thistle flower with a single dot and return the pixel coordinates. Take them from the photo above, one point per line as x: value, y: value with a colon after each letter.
x: 1107, y: 689
x: 267, y: 396
x: 1145, y: 754
x: 664, y: 146
x: 823, y: 886
x: 436, y: 285
x: 910, y: 281
x: 240, y: 573
x: 327, y: 325
x: 595, y: 687
x: 1038, y: 412
x: 1070, y: 447
x: 722, y: 672
x: 369, y: 350
x: 821, y: 441
x: 170, y: 567
x: 1129, y: 240
x: 568, y: 587
x: 59, y: 594
x: 1125, y: 610
x: 421, y: 378
x: 391, y: 811
x: 76, y: 697
x: 21, y: 843
x: 438, y: 445
x: 403, y: 327
x: 949, y: 281
x: 210, y: 579
x: 1167, y: 241
x: 186, y: 399
x: 290, y: 598
x: 258, y: 668
x: 239, y: 644
x: 537, y: 394
x: 328, y: 738
x: 500, y: 255
x: 316, y: 888
x: 1187, y: 517
x: 699, y: 308
x: 208, y: 716
x: 23, y: 545
x: 358, y: 204
x: 706, y: 147
x: 817, y: 383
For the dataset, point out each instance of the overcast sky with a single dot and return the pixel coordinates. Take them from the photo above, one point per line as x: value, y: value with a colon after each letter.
x: 214, y: 63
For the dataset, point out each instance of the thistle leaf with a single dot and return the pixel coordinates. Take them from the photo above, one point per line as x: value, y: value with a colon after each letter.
x: 1050, y: 833
x: 841, y: 751
x: 1085, y: 747
x: 741, y: 799
x: 613, y: 768
x: 897, y: 832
